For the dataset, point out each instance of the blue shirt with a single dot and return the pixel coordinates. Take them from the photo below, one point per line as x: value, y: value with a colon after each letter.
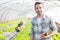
x: 44, y: 26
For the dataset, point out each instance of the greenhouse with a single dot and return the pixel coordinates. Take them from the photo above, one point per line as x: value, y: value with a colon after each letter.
x: 12, y: 12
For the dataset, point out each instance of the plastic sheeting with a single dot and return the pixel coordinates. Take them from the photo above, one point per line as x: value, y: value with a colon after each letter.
x: 15, y: 9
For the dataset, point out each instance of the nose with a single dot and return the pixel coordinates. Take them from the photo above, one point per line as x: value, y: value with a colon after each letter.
x: 39, y: 9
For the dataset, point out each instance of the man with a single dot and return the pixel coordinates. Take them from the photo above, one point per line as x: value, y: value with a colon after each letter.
x: 19, y: 27
x: 58, y: 26
x: 42, y: 26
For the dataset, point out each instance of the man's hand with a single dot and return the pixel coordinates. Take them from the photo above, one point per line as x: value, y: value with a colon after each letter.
x: 44, y: 36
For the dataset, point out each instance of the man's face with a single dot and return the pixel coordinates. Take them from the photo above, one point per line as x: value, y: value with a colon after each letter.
x: 39, y: 9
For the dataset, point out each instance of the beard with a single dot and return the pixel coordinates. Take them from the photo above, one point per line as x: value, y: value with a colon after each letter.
x: 39, y: 12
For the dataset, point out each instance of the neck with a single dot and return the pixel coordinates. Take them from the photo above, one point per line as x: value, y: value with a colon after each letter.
x: 39, y: 16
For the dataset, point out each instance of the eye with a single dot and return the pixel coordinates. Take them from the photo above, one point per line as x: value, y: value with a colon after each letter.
x: 36, y: 8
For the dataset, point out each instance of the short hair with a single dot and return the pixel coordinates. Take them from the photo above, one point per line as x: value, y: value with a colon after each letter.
x: 38, y: 3
x: 20, y: 24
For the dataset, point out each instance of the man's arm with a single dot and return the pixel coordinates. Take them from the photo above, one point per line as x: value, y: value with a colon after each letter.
x: 31, y: 34
x: 31, y: 31
x: 53, y: 28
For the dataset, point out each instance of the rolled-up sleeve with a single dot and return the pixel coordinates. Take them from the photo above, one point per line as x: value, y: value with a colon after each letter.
x: 52, y: 25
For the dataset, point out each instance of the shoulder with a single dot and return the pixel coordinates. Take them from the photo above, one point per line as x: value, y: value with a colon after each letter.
x: 48, y: 18
x: 34, y: 18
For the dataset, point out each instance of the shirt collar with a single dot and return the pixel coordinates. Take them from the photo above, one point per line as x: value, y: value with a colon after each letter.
x: 44, y: 16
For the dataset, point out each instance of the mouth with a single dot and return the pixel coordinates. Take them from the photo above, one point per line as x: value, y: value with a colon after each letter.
x: 39, y: 11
